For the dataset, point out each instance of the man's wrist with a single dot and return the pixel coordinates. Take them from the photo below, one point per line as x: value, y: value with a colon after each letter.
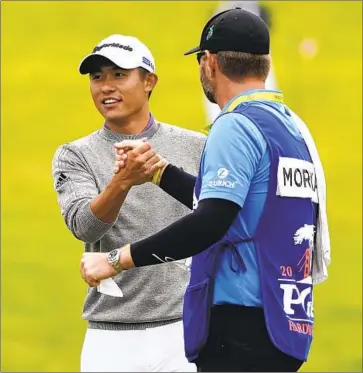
x: 125, y: 258
x: 122, y: 186
x: 158, y: 175
x: 113, y: 259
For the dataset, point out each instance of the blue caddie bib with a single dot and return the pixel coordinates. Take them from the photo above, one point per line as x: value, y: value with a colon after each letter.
x: 284, y: 243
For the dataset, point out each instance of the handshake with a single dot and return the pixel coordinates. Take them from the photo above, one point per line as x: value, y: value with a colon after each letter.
x: 136, y: 162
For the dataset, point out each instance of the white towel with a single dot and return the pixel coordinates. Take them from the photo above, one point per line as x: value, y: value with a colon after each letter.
x: 109, y: 287
x: 321, y: 255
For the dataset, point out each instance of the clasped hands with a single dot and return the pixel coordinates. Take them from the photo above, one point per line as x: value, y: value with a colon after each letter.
x: 136, y: 162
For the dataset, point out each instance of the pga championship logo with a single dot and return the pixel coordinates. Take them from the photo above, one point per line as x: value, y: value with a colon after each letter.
x: 297, y: 295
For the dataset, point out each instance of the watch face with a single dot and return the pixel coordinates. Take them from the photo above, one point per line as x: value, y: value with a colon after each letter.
x: 112, y: 255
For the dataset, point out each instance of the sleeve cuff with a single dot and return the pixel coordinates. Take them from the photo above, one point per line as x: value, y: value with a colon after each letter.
x: 227, y: 196
x: 93, y: 228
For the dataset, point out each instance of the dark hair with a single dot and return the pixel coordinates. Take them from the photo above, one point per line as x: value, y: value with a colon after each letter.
x: 143, y: 73
x: 240, y: 65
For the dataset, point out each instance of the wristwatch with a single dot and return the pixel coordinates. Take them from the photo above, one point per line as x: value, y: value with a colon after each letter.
x: 113, y: 258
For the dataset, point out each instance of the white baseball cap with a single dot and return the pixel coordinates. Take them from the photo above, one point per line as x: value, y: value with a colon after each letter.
x: 126, y: 52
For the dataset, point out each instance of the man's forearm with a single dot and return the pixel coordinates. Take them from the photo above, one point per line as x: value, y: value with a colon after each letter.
x: 106, y: 206
x: 179, y: 184
x: 187, y: 236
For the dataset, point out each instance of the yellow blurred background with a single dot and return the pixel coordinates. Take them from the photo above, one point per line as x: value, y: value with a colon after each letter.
x: 317, y: 54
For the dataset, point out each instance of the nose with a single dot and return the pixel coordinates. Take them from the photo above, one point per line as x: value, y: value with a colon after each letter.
x: 108, y: 87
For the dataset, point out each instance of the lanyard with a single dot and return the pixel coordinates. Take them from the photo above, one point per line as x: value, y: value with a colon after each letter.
x: 262, y: 96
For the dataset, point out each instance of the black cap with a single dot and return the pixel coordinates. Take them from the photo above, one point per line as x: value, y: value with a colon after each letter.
x: 235, y: 30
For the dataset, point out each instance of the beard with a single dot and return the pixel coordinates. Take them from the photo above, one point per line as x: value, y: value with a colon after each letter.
x: 207, y: 88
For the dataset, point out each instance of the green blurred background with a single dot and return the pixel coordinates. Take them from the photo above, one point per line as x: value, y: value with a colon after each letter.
x: 317, y: 54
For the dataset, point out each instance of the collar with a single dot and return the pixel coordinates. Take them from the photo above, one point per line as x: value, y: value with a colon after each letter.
x: 251, y: 95
x: 148, y: 132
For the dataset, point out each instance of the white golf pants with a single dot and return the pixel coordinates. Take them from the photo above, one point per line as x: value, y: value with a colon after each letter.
x: 159, y: 349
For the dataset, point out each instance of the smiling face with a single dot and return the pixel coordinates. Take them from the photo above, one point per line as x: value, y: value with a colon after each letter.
x: 120, y: 94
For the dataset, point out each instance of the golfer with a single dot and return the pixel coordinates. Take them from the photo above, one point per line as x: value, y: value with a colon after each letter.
x: 134, y: 321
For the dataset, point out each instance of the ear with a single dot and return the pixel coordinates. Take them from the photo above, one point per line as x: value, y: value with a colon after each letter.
x: 150, y: 82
